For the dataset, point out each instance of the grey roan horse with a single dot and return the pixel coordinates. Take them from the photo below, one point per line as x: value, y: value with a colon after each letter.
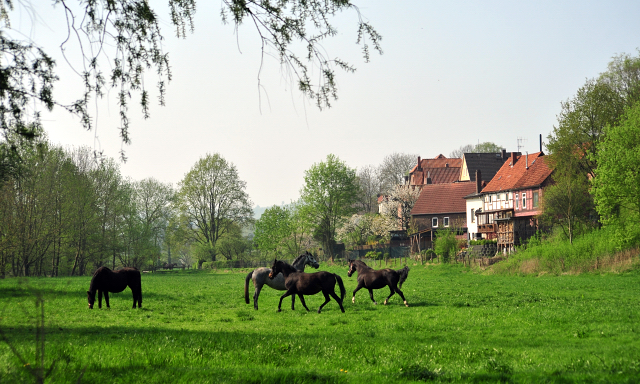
x: 260, y: 277
x: 371, y: 279
x: 301, y: 283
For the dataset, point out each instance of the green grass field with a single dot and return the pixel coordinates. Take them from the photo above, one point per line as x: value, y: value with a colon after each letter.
x: 461, y: 326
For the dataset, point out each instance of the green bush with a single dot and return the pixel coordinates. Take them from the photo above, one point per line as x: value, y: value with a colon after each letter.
x: 373, y: 255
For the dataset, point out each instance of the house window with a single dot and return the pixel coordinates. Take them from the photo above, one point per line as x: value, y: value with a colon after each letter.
x: 517, y: 201
x: 434, y: 222
x: 524, y: 201
x: 473, y: 215
x: 446, y: 222
x: 535, y: 199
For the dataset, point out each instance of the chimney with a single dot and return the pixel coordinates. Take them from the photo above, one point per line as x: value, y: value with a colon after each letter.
x: 428, y: 178
x: 503, y: 153
x: 527, y: 165
x: 513, y: 159
x: 478, y: 181
x: 541, y: 142
x: 419, y: 163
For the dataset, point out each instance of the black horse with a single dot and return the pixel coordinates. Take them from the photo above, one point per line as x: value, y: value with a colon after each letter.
x: 301, y: 283
x: 375, y: 279
x: 105, y: 280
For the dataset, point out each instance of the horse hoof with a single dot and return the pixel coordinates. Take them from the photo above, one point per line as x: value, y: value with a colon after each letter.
x: 406, y: 305
x: 353, y: 300
x: 279, y: 310
x: 385, y: 302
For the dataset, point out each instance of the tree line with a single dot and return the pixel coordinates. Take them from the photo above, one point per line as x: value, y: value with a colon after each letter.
x: 595, y: 153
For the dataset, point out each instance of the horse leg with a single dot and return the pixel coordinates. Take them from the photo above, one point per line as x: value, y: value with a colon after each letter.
x: 293, y: 301
x: 106, y: 298
x: 282, y: 297
x: 336, y: 298
x: 326, y: 300
x: 371, y: 296
x: 353, y: 298
x: 256, y: 294
x: 391, y: 294
x: 302, y: 301
x: 401, y: 295
x: 100, y: 299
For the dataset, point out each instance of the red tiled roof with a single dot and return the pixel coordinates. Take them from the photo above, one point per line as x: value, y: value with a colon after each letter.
x: 440, y: 169
x: 443, y: 198
x: 518, y: 176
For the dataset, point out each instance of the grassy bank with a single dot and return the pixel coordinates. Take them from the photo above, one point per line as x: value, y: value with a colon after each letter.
x: 595, y: 251
x: 461, y: 327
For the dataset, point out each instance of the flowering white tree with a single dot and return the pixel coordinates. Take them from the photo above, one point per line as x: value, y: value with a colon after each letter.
x: 398, y: 204
x: 358, y: 229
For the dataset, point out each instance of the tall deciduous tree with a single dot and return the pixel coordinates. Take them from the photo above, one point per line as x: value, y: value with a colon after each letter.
x: 370, y: 188
x: 213, y: 198
x: 582, y: 126
x: 329, y: 195
x: 394, y: 168
x: 271, y: 229
x: 617, y: 183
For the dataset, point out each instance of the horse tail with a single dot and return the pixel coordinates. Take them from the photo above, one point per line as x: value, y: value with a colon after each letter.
x: 404, y: 273
x: 343, y: 291
x: 246, y: 287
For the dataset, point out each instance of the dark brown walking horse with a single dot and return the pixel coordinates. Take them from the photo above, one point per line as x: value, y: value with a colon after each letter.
x: 301, y: 283
x: 105, y: 280
x: 371, y: 279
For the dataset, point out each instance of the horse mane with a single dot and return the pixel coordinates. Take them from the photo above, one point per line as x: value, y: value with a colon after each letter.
x: 286, y: 266
x: 364, y: 266
x: 298, y: 258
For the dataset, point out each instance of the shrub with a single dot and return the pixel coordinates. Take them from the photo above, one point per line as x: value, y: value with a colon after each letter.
x: 373, y: 255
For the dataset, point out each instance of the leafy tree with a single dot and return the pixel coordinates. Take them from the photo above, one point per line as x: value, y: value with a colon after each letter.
x: 126, y: 37
x: 329, y: 194
x: 232, y: 245
x: 617, y: 183
x: 272, y: 228
x: 445, y: 244
x: 582, y: 126
x: 486, y: 147
x: 213, y: 199
x: 568, y: 205
x: 394, y: 168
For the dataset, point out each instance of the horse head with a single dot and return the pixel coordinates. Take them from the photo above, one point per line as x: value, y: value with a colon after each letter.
x: 311, y: 260
x: 352, y: 268
x: 275, y: 269
x: 91, y: 299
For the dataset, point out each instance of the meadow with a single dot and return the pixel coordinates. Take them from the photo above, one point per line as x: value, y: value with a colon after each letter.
x: 461, y: 326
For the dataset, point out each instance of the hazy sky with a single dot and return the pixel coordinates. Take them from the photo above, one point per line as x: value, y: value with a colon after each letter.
x: 452, y: 73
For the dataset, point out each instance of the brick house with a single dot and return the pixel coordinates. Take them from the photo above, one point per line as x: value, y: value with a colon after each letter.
x: 511, y: 200
x: 439, y: 206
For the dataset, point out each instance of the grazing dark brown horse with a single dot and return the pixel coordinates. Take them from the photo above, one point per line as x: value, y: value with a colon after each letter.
x: 301, y: 283
x: 375, y: 279
x: 105, y: 280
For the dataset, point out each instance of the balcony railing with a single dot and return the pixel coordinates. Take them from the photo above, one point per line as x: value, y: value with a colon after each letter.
x: 486, y: 228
